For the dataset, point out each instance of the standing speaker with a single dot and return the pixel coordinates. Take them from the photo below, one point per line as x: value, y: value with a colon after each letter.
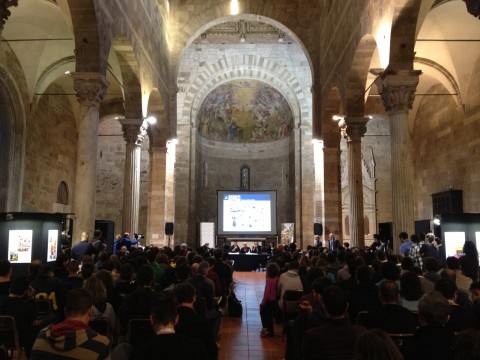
x: 317, y: 229
x: 168, y: 228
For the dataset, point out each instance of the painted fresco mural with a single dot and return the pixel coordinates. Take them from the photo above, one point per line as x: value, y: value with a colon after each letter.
x: 245, y: 111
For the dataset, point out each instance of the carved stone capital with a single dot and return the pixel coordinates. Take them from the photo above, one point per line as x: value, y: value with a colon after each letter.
x: 4, y: 12
x: 397, y: 89
x: 354, y: 128
x: 90, y: 88
x: 133, y: 130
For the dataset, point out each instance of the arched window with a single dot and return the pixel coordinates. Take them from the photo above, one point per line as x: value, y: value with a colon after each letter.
x: 62, y: 193
x: 245, y: 178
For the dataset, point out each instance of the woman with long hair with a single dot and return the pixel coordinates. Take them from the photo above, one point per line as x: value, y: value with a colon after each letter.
x: 101, y: 308
x: 269, y: 301
x: 469, y: 261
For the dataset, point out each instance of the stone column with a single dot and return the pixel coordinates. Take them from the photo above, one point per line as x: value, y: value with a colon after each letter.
x: 90, y: 89
x: 353, y: 129
x: 133, y: 134
x: 156, y: 197
x: 397, y: 89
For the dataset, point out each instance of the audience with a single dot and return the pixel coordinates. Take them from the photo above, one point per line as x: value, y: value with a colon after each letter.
x: 375, y: 344
x: 5, y: 274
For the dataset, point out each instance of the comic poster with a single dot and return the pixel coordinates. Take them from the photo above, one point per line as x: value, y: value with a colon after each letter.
x: 52, y: 245
x: 288, y: 232
x: 20, y: 246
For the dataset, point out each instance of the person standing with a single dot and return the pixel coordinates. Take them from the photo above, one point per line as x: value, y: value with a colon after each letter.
x: 79, y: 250
x: 267, y: 306
x: 406, y: 243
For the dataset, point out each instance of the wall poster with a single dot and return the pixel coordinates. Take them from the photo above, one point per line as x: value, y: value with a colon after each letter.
x: 20, y: 246
x: 454, y: 241
x: 287, y: 233
x: 52, y: 245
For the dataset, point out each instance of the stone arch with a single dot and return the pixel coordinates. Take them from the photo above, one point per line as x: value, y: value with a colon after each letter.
x: 473, y: 98
x: 51, y: 74
x: 161, y: 131
x: 87, y: 39
x: 189, y: 36
x: 404, y: 30
x: 12, y: 144
x: 123, y: 66
x: 63, y: 193
x: 330, y: 130
x: 357, y: 76
x: 248, y: 66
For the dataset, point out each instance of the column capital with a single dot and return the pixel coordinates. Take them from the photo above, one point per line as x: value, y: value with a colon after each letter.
x: 4, y: 12
x: 397, y: 89
x: 133, y: 130
x: 90, y: 88
x: 354, y: 128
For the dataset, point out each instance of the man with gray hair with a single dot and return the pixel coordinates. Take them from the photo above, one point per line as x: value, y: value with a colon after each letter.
x: 432, y: 340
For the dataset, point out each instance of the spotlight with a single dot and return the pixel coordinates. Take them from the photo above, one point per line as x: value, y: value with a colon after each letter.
x: 437, y: 220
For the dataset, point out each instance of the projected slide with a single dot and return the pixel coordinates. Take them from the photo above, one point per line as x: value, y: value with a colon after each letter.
x: 246, y: 212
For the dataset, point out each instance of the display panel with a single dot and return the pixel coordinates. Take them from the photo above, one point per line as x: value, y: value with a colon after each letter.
x: 52, y: 245
x: 20, y: 246
x: 454, y: 242
x: 247, y: 213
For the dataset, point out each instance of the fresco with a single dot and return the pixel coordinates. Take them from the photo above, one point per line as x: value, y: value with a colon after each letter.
x: 245, y: 111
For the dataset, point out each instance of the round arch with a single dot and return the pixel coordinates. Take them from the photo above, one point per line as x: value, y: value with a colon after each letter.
x: 161, y: 131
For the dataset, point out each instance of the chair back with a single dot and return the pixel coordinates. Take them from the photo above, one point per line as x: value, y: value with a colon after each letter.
x: 138, y: 331
x: 361, y: 318
x: 399, y: 338
x: 3, y: 352
x: 101, y: 325
x: 9, y: 334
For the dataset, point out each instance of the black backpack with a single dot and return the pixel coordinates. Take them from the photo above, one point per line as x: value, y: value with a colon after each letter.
x: 235, y: 308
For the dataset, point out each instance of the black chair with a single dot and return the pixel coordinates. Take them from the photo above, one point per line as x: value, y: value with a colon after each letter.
x: 43, y: 307
x: 138, y: 331
x: 361, y: 317
x: 101, y: 325
x: 399, y: 338
x: 9, y: 335
x: 3, y: 352
x: 290, y: 310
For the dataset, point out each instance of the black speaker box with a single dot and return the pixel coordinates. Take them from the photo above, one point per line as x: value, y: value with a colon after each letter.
x: 317, y: 229
x: 107, y: 227
x: 385, y: 230
x: 169, y: 228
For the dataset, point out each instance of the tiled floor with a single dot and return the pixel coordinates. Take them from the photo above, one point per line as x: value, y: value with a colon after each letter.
x: 240, y: 337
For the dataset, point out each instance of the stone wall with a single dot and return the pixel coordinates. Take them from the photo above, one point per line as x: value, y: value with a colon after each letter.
x: 50, y: 152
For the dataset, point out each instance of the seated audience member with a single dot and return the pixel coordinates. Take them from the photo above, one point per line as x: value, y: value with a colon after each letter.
x: 461, y: 316
x: 462, y: 297
x: 72, y: 338
x: 102, y: 262
x: 431, y: 270
x: 245, y: 249
x: 212, y: 275
x: 60, y: 269
x: 289, y: 280
x: 73, y: 280
x: 204, y: 286
x: 137, y: 304
x: 101, y: 308
x: 336, y: 337
x: 364, y: 295
x: 463, y: 282
x: 168, y: 344
x: 376, y: 344
x: 87, y: 270
x: 46, y: 286
x: 411, y: 291
x: 223, y: 271
x: 475, y: 292
x: 467, y: 345
x: 192, y: 324
x: 392, y: 318
x: 18, y: 305
x: 5, y: 274
x: 432, y: 341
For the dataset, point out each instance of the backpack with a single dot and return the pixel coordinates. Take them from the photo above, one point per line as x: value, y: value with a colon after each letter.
x: 235, y: 308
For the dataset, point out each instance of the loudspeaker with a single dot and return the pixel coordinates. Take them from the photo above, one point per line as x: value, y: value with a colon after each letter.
x: 385, y: 230
x: 107, y: 227
x: 168, y: 228
x: 317, y: 229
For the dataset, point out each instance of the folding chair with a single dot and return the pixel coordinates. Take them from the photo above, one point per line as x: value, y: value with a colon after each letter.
x: 138, y: 331
x: 9, y: 335
x: 102, y: 326
x: 361, y: 317
x: 399, y: 338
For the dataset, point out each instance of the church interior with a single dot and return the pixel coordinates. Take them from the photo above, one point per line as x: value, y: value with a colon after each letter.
x: 354, y: 112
